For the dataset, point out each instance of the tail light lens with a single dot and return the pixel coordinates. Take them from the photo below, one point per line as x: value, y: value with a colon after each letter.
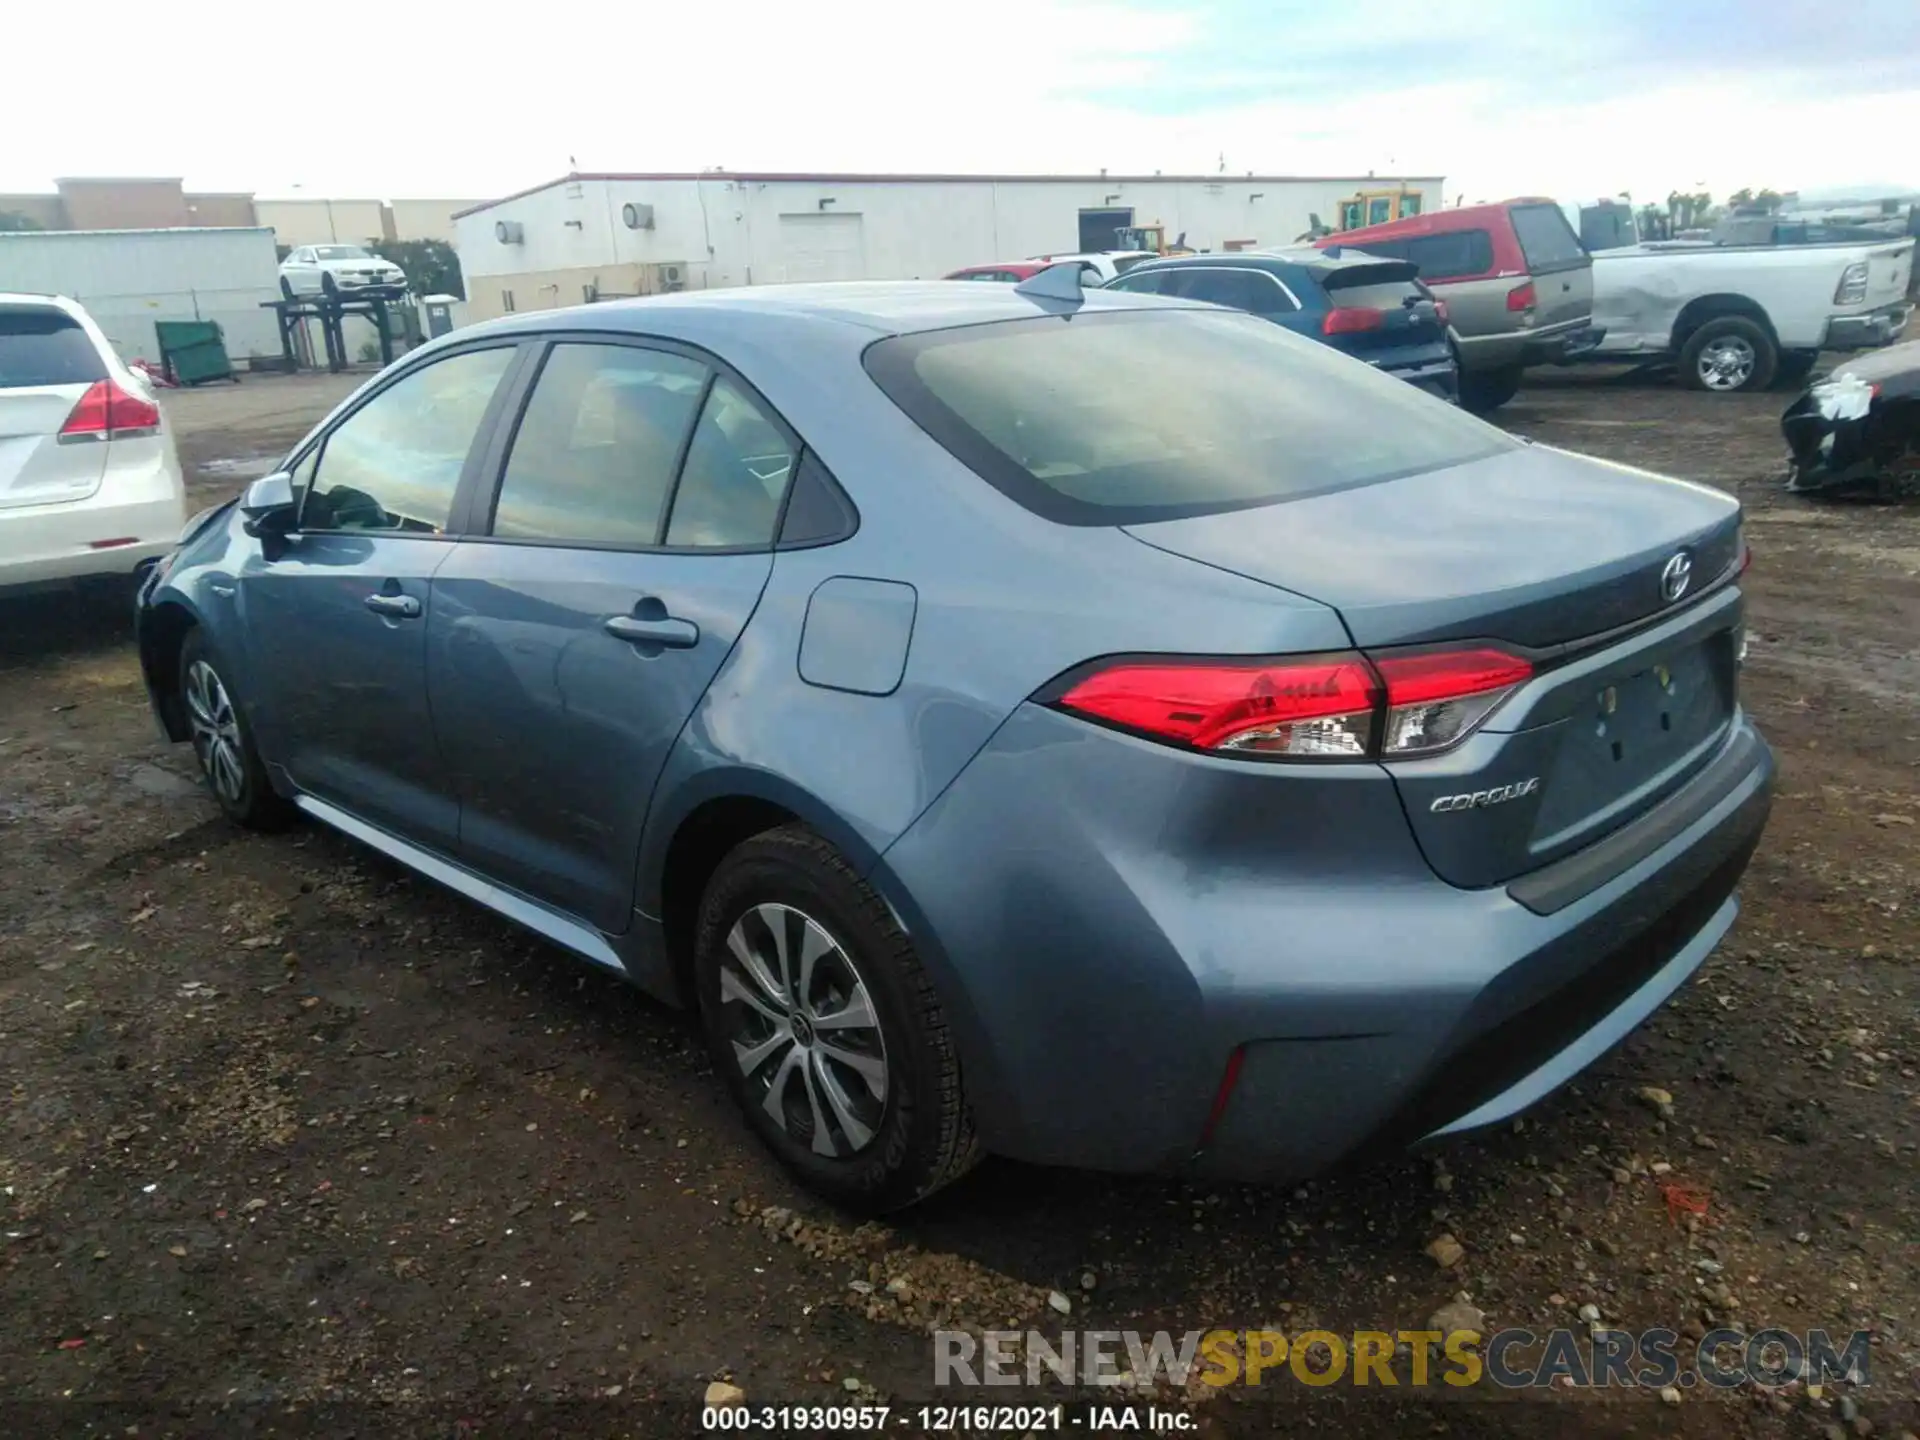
x: 1440, y: 309
x: 1347, y: 319
x: 1522, y: 297
x: 108, y: 412
x: 1436, y: 700
x: 1313, y: 707
x: 1853, y: 284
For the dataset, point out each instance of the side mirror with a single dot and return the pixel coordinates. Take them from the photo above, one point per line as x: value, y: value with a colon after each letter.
x: 269, y: 503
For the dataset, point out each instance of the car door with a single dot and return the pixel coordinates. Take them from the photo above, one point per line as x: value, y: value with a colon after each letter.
x: 337, y: 610
x: 627, y: 547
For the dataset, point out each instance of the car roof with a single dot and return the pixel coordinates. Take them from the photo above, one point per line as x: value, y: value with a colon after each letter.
x: 860, y: 311
x: 44, y: 302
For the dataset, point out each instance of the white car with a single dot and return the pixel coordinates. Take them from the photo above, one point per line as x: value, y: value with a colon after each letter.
x: 1100, y: 266
x: 89, y: 479
x: 339, y: 269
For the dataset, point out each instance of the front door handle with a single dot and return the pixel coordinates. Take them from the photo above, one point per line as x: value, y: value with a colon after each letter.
x: 400, y: 607
x: 675, y: 634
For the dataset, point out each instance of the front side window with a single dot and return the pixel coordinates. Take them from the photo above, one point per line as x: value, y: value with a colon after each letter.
x: 395, y: 463
x: 1410, y: 204
x: 1074, y: 418
x: 594, y: 455
x: 1379, y: 210
x: 735, y: 475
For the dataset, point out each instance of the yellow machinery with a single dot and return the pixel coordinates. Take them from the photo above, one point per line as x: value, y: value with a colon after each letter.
x: 1152, y: 238
x: 1378, y: 207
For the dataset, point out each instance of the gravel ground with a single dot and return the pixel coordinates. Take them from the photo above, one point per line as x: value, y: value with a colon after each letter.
x: 288, y: 1131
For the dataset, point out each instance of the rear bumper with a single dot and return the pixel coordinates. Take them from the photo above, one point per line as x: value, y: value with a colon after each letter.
x: 1571, y: 340
x: 1866, y: 332
x: 1109, y: 924
x: 54, y: 543
x: 1442, y: 378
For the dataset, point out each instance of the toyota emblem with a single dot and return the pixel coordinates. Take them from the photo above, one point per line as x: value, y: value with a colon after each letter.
x: 1675, y: 576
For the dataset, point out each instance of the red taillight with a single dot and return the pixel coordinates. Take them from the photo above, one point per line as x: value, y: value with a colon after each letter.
x: 1522, y: 297
x: 1438, y: 699
x: 1312, y: 706
x: 1440, y: 309
x: 107, y: 412
x: 1229, y: 1078
x: 1346, y: 319
x: 1319, y: 707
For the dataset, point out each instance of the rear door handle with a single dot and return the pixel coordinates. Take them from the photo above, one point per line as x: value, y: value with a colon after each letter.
x: 400, y: 607
x: 674, y: 634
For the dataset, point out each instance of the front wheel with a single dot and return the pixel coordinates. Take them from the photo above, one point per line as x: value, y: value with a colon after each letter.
x: 286, y: 288
x: 826, y: 1026
x: 329, y: 286
x: 1728, y: 354
x: 223, y: 742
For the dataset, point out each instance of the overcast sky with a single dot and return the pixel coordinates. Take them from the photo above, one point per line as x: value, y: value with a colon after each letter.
x: 388, y: 98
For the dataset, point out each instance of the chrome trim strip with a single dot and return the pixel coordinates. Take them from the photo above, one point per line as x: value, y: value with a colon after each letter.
x: 549, y: 924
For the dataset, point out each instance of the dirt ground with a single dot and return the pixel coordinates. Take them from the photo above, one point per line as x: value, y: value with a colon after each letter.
x: 287, y: 1131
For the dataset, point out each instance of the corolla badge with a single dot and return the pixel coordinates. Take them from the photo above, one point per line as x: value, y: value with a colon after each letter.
x: 1480, y: 799
x: 1675, y: 576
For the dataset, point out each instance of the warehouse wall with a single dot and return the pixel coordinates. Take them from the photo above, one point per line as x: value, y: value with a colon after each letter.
x: 321, y: 222
x: 742, y: 231
x: 127, y: 279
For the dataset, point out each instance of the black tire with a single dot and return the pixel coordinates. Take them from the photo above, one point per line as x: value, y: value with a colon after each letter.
x: 329, y: 286
x: 919, y: 1133
x: 1484, y: 391
x: 1795, y: 366
x: 1735, y: 333
x: 286, y: 288
x: 237, y: 779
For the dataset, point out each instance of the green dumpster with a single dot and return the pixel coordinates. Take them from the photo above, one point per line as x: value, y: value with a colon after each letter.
x: 193, y: 351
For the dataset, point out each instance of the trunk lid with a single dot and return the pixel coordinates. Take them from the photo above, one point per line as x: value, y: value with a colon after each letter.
x: 1553, y: 555
x: 1410, y: 328
x: 47, y: 363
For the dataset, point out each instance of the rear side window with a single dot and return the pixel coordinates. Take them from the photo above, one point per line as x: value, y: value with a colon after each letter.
x: 1074, y: 417
x: 1254, y: 291
x: 1450, y: 256
x: 594, y: 455
x: 736, y: 473
x: 1545, y: 238
x: 45, y: 347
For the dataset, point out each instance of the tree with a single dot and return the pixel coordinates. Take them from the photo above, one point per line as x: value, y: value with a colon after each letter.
x: 431, y: 265
x: 13, y: 220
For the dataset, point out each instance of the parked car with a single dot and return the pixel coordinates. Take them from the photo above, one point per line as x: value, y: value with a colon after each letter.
x: 90, y: 483
x: 1099, y: 266
x: 1010, y: 272
x: 1372, y: 309
x: 1101, y: 729
x: 1855, y: 434
x: 1734, y: 318
x: 334, y: 269
x: 1516, y: 281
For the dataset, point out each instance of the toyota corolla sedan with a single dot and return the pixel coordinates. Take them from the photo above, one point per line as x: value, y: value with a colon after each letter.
x: 1100, y: 729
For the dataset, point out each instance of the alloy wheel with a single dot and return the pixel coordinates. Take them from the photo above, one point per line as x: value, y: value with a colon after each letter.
x: 216, y: 731
x: 803, y: 1030
x: 1726, y: 363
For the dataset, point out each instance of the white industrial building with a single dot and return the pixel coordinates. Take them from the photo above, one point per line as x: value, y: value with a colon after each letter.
x: 589, y: 237
x: 128, y: 279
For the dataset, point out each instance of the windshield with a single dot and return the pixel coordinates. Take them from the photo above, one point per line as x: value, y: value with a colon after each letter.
x: 1113, y: 418
x: 342, y: 252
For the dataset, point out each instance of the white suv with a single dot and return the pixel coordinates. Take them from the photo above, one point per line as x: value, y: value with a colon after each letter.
x: 89, y: 480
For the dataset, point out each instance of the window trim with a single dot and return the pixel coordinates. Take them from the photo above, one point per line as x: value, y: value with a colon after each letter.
x: 493, y: 467
x: 477, y: 448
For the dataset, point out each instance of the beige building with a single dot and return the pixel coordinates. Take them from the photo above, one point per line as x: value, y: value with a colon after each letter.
x: 110, y: 203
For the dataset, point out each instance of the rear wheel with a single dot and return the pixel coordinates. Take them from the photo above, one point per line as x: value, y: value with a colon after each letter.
x: 1728, y: 354
x: 223, y: 743
x: 827, y: 1027
x: 1484, y: 391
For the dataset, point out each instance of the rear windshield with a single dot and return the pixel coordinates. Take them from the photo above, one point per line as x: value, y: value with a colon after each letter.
x: 1545, y: 238
x: 1108, y: 419
x: 45, y: 347
x: 1381, y: 287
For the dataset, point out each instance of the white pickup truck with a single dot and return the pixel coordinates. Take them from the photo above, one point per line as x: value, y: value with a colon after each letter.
x: 1734, y: 317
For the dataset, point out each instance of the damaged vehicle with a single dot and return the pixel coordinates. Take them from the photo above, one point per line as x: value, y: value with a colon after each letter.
x: 1856, y: 433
